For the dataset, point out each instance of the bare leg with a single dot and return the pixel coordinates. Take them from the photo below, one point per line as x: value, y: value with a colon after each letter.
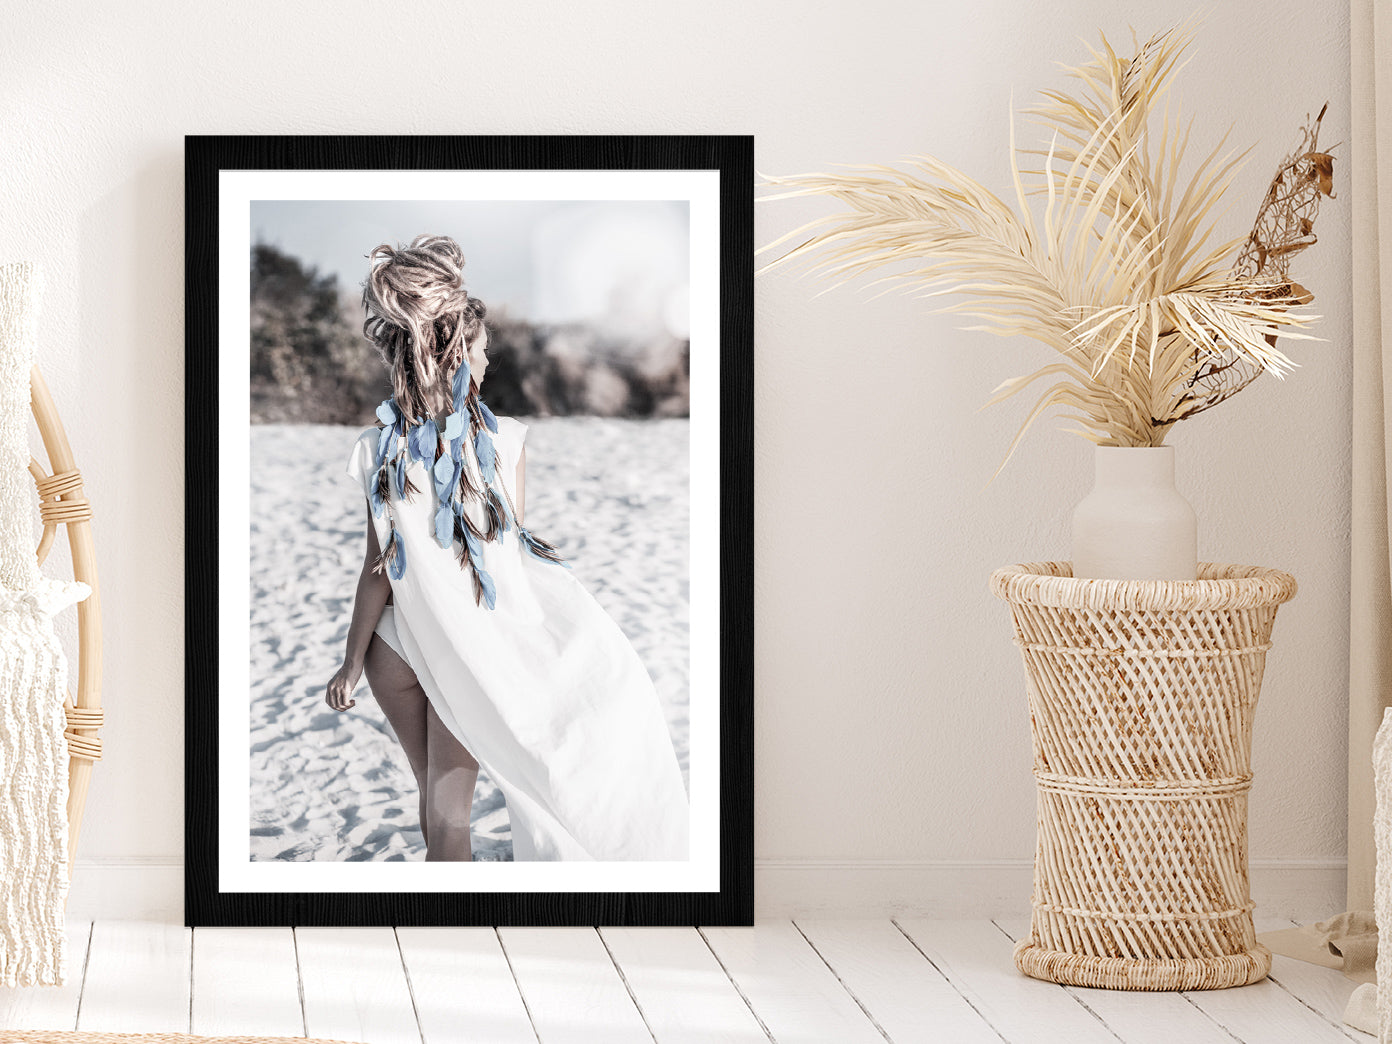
x: 403, y: 701
x: 449, y: 792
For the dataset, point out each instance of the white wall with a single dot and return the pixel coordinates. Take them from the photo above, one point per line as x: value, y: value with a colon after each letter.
x: 893, y: 751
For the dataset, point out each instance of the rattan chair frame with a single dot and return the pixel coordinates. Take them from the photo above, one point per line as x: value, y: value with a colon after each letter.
x: 63, y: 502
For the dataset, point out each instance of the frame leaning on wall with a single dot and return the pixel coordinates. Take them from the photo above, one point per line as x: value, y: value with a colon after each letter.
x: 717, y: 886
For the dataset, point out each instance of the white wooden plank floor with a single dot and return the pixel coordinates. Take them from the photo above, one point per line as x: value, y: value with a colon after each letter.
x: 813, y: 980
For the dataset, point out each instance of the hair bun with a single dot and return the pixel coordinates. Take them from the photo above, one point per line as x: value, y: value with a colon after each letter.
x: 420, y: 316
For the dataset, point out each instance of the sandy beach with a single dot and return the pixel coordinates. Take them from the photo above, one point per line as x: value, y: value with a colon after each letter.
x: 613, y: 495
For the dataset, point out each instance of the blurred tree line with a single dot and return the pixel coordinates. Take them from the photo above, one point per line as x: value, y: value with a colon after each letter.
x: 310, y: 362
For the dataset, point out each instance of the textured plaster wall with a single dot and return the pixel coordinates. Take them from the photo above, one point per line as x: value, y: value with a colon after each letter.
x: 889, y: 701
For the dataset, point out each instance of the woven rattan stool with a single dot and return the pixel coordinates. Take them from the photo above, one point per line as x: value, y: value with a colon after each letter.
x: 1141, y: 696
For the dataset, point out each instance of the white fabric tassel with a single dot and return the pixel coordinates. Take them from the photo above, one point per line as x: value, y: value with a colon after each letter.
x: 33, y: 681
x: 33, y: 800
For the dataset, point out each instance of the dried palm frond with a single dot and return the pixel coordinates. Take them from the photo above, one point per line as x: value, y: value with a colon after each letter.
x: 1118, y: 274
x: 1285, y: 225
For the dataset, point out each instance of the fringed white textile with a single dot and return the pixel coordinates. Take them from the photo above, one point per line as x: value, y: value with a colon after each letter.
x: 1361, y: 1010
x: 33, y: 681
x: 1382, y: 882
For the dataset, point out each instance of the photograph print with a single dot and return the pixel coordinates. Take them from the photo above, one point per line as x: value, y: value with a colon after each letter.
x: 477, y: 538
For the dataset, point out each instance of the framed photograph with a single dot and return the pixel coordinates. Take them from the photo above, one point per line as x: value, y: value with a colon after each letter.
x: 469, y: 519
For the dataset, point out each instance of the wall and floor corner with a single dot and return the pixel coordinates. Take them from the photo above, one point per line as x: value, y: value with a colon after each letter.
x: 893, y: 746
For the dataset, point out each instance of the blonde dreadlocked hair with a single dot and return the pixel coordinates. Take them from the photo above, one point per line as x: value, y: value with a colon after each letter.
x: 420, y: 318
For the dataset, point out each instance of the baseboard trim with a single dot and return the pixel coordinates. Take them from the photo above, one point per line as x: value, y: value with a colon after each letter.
x: 127, y: 890
x: 1285, y: 888
x: 153, y: 890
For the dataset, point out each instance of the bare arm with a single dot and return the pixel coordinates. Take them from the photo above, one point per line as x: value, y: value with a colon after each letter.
x: 373, y: 589
x: 521, y: 486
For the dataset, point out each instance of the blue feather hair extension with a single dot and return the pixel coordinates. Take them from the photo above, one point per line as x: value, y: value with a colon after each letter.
x: 459, y: 507
x: 487, y: 456
x: 497, y: 516
x: 444, y: 525
x: 483, y: 587
x: 466, y: 535
x: 455, y: 424
x: 396, y: 564
x: 384, y: 441
x: 470, y: 554
x: 472, y: 421
x: 392, y: 558
x: 466, y: 485
x: 459, y: 386
x: 456, y: 449
x: 381, y: 489
x: 423, y: 441
x: 446, y: 474
x: 490, y: 421
x: 461, y: 541
x: 405, y: 488
x: 539, y: 548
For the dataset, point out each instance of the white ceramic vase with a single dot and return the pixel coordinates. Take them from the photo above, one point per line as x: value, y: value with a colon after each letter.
x: 1134, y: 525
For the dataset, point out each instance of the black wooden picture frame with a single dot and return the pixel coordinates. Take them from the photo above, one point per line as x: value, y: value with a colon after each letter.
x: 730, y: 900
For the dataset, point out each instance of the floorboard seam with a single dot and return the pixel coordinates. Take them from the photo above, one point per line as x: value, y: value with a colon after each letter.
x: 521, y: 993
x: 738, y: 989
x: 624, y: 979
x: 948, y: 979
x: 82, y: 987
x: 410, y: 987
x: 1318, y: 1014
x: 866, y: 1011
x: 1199, y: 1008
x: 299, y: 980
x: 1068, y: 990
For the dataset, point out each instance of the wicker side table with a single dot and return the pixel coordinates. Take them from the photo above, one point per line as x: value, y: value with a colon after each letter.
x: 1141, y: 696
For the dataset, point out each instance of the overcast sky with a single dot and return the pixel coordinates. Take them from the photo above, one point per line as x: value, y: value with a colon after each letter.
x: 621, y: 265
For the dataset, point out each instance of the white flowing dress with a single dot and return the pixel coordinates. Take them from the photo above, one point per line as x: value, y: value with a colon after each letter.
x: 544, y: 689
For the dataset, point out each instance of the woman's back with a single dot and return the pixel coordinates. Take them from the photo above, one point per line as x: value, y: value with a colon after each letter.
x: 543, y: 687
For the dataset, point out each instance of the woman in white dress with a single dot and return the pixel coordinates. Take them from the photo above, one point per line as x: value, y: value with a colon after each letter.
x: 478, y: 644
